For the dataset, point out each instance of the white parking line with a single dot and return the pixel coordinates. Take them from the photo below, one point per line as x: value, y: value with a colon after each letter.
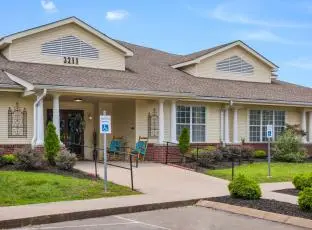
x: 142, y: 223
x: 81, y: 226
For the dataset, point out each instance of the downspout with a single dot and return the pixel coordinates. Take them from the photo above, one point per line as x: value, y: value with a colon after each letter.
x: 33, y: 141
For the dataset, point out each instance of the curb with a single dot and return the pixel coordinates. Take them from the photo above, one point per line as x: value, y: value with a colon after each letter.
x: 181, y: 167
x: 280, y: 218
x: 61, y: 217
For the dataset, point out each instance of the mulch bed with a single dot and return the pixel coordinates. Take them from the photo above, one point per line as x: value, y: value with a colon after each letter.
x: 265, y: 205
x: 289, y: 191
x: 74, y: 173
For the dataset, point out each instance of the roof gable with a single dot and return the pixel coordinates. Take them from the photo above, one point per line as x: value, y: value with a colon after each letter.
x: 8, y: 39
x: 197, y: 57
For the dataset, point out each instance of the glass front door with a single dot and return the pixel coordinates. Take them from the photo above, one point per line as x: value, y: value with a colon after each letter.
x: 72, y: 126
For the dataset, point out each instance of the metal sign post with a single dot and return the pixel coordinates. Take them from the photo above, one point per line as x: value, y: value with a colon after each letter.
x: 269, y: 135
x: 105, y: 127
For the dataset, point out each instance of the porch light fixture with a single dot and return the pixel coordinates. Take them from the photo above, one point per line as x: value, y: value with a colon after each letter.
x: 90, y: 116
x: 77, y: 99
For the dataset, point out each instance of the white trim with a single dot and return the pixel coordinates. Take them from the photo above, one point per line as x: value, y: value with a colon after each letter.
x: 8, y: 40
x: 161, y: 122
x: 248, y: 114
x: 173, y: 121
x: 26, y: 84
x: 310, y: 127
x: 206, y: 123
x: 237, y: 43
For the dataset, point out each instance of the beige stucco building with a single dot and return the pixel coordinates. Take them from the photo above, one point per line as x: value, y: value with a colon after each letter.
x: 68, y: 72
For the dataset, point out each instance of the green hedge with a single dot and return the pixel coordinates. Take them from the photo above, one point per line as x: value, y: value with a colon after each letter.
x: 305, y: 199
x: 302, y: 181
x: 246, y: 188
x: 260, y: 154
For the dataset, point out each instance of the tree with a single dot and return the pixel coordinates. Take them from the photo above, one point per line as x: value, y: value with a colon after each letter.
x: 184, y: 141
x: 51, y: 143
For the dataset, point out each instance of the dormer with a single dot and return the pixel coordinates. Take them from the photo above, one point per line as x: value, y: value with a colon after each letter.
x: 69, y: 42
x: 233, y: 61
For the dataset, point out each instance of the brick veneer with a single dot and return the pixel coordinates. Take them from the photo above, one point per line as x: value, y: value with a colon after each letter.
x: 6, y: 148
x: 157, y: 152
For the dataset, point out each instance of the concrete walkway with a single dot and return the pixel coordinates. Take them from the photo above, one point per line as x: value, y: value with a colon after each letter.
x: 269, y: 188
x: 161, y: 180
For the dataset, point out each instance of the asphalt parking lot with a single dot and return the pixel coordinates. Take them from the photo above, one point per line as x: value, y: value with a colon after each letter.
x: 186, y: 218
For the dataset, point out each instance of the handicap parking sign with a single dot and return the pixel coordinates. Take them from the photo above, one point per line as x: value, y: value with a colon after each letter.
x: 269, y: 131
x: 105, y: 124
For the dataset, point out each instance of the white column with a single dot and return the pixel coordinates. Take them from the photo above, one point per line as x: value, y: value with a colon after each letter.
x: 161, y: 122
x: 235, y: 126
x: 310, y: 127
x: 222, y: 125
x: 304, y: 124
x: 226, y: 126
x: 40, y: 125
x: 56, y: 113
x: 173, y: 121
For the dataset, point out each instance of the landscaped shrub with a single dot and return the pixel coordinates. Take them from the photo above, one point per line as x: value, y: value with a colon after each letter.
x: 305, y: 199
x: 302, y: 181
x: 65, y: 160
x: 247, y: 152
x: 28, y: 159
x: 8, y: 159
x: 206, y: 159
x: 243, y: 187
x: 51, y: 143
x: 184, y: 141
x: 260, y: 154
x: 289, y: 148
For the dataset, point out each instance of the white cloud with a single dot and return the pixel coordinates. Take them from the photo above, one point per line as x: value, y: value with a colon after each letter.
x: 116, y: 15
x: 302, y: 63
x: 265, y: 36
x: 48, y: 6
x: 226, y: 13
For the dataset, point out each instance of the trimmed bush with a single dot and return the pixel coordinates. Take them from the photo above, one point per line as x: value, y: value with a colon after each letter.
x: 184, y: 141
x: 260, y: 154
x: 305, y: 199
x: 65, y: 160
x: 289, y: 148
x: 51, y: 143
x: 8, y: 159
x: 28, y: 159
x: 302, y: 181
x: 245, y: 188
x: 247, y: 152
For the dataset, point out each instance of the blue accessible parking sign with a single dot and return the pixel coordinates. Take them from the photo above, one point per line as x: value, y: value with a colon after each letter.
x: 105, y: 124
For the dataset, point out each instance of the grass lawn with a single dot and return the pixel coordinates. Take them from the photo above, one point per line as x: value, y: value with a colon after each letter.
x: 19, y: 188
x: 259, y: 171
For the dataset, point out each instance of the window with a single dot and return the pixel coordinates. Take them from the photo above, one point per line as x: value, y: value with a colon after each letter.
x: 258, y: 121
x: 17, y: 122
x: 235, y: 64
x: 69, y: 46
x: 193, y: 118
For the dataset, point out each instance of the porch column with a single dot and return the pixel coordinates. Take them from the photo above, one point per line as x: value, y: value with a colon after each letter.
x: 40, y: 125
x: 173, y: 121
x: 235, y: 126
x: 310, y: 127
x: 161, y: 122
x: 226, y: 126
x: 222, y: 125
x: 304, y: 125
x: 56, y: 113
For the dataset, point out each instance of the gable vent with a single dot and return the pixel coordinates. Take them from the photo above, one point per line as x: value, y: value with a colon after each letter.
x: 69, y: 46
x: 235, y: 64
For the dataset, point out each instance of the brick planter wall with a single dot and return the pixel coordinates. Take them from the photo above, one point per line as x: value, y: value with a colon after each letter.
x: 4, y: 148
x: 157, y: 152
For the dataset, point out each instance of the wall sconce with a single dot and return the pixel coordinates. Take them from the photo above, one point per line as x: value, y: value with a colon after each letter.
x: 90, y: 116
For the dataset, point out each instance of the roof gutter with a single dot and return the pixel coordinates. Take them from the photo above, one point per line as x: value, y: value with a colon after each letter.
x: 33, y: 141
x: 185, y: 96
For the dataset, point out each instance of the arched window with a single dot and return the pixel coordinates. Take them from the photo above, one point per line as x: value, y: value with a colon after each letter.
x: 153, y: 127
x: 17, y: 122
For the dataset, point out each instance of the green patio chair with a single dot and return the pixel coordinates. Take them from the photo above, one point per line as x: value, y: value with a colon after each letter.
x: 140, y: 147
x: 116, y: 146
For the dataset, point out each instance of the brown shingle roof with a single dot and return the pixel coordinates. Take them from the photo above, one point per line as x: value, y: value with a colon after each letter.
x: 150, y: 70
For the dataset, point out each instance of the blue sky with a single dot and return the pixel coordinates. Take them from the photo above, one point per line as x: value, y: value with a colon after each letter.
x: 281, y: 30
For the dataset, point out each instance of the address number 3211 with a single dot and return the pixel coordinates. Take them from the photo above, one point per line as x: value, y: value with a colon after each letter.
x: 71, y: 60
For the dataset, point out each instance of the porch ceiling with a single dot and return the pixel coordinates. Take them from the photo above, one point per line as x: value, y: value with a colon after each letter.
x: 90, y: 99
